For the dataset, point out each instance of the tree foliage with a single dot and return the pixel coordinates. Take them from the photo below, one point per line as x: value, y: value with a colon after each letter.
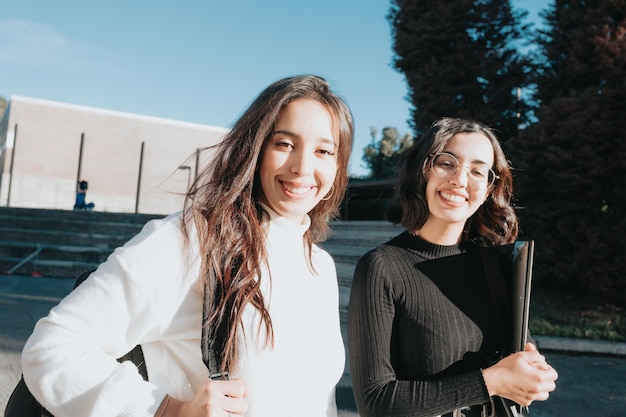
x: 573, y: 160
x: 381, y: 156
x: 460, y: 58
x: 3, y: 106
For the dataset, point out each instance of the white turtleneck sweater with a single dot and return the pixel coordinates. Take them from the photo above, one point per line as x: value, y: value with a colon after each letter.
x: 148, y: 293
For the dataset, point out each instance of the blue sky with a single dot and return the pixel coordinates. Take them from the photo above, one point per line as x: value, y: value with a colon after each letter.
x: 203, y: 61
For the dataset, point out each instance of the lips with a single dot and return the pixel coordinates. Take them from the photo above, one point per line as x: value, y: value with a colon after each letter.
x: 295, y: 189
x: 453, y: 198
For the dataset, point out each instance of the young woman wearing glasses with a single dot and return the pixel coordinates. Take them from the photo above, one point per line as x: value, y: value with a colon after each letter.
x: 423, y: 332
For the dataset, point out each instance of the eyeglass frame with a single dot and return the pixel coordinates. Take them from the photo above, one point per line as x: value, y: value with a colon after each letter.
x: 489, y: 183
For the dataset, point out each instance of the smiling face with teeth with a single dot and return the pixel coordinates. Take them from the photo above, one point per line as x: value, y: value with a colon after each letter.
x: 452, y: 201
x: 298, y: 162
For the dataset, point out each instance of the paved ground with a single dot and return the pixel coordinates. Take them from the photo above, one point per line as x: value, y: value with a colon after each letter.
x: 592, y: 378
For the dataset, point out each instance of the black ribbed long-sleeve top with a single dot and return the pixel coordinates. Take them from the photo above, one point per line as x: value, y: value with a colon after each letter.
x: 421, y: 326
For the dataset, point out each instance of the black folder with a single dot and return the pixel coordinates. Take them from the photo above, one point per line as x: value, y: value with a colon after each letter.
x: 518, y: 311
x: 522, y: 261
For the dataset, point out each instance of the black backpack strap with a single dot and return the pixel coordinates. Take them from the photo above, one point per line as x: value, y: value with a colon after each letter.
x: 21, y: 403
x: 213, y: 348
x: 136, y: 354
x: 136, y: 357
x: 82, y: 277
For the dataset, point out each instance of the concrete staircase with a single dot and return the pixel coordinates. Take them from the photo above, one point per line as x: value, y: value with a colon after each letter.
x: 348, y: 242
x: 64, y: 243
x: 61, y: 243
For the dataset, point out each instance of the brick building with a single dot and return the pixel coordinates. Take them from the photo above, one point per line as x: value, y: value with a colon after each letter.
x: 132, y: 163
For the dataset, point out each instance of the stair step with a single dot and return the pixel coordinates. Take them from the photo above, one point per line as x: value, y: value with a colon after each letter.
x: 72, y: 241
x: 62, y: 237
x: 69, y: 241
x: 47, y: 267
x: 70, y: 224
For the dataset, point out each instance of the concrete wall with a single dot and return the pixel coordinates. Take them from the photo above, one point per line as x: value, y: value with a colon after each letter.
x: 40, y: 157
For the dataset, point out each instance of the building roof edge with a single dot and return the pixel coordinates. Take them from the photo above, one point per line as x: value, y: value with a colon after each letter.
x: 98, y: 110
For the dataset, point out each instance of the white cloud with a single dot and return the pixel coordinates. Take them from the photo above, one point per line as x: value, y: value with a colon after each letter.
x: 26, y: 42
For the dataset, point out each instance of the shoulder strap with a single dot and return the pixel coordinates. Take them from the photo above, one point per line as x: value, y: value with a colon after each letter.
x: 212, y: 348
x: 136, y: 354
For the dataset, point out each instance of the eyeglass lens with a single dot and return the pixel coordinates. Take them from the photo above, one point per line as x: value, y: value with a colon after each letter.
x: 445, y: 165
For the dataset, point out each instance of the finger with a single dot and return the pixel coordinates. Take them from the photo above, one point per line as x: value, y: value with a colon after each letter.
x: 530, y: 347
x: 542, y: 396
x: 235, y: 388
x: 236, y: 406
x: 551, y: 375
x: 534, y: 356
x: 540, y: 365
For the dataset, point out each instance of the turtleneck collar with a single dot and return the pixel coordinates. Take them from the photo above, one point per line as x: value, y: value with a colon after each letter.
x: 430, y: 250
x: 276, y: 221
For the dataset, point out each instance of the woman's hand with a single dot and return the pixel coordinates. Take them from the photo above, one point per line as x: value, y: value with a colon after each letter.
x: 522, y: 377
x: 217, y: 398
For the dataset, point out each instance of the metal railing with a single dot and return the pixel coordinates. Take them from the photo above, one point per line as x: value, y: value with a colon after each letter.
x: 25, y: 260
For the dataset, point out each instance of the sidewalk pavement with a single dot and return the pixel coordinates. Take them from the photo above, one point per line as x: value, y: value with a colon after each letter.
x: 590, y: 347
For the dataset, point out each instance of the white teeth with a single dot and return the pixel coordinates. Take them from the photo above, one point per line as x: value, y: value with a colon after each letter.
x: 453, y: 198
x: 295, y: 190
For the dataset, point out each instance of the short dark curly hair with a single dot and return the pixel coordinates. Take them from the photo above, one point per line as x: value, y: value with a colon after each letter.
x: 494, y: 223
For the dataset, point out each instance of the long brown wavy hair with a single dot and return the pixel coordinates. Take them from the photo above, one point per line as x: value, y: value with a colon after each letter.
x: 223, y: 204
x: 494, y: 223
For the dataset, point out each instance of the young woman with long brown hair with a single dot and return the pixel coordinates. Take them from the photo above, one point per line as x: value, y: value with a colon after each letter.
x: 247, y: 240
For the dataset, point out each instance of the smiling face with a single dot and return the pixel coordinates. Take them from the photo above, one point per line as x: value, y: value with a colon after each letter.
x: 453, y: 200
x: 298, y: 162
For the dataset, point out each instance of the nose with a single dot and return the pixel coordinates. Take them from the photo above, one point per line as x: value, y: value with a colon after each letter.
x: 301, y: 163
x: 461, y: 176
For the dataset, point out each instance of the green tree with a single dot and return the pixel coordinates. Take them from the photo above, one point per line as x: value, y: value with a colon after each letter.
x: 573, y: 160
x: 3, y: 106
x: 461, y: 58
x: 381, y: 156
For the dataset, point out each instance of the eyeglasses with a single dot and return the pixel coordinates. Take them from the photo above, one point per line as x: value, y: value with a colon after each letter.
x: 479, y: 175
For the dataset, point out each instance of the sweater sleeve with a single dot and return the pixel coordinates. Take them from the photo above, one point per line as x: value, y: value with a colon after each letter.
x: 371, y: 323
x: 69, y: 362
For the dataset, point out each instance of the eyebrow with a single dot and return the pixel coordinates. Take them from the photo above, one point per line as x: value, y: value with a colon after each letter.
x: 294, y: 135
x: 475, y: 161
